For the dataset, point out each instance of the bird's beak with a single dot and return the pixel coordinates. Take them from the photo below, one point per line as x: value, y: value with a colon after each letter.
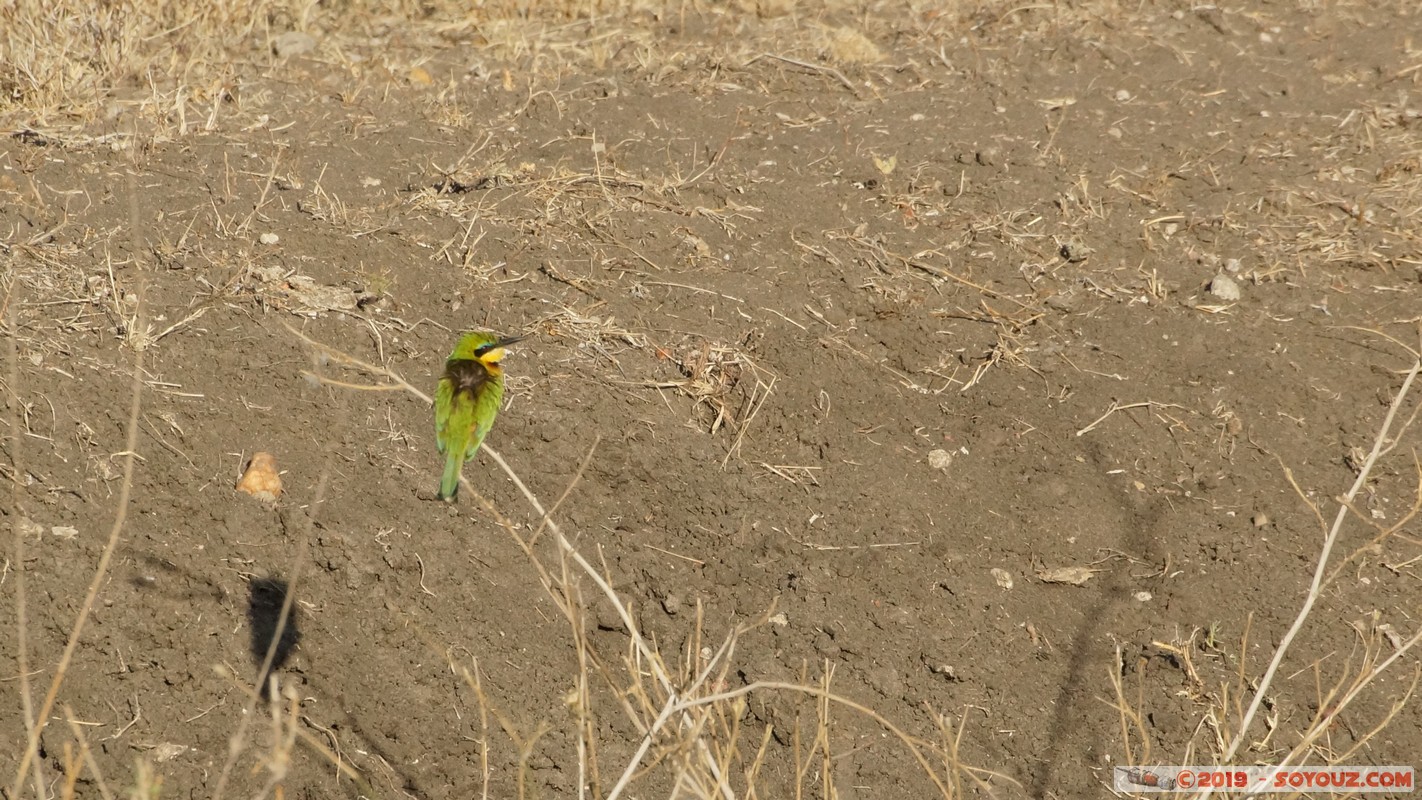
x: 505, y: 342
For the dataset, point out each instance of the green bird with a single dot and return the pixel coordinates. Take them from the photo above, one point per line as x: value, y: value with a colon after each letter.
x: 467, y: 400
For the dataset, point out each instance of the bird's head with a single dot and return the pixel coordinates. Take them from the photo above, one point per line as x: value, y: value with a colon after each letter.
x: 484, y: 346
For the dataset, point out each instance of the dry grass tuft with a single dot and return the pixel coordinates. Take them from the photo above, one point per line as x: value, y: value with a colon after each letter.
x: 84, y: 63
x: 590, y: 333
x: 714, y: 374
x: 144, y: 72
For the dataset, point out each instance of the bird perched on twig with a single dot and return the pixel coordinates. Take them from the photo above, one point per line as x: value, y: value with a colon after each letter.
x: 467, y: 400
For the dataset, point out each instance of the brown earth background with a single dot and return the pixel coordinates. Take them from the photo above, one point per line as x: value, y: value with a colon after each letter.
x: 953, y: 397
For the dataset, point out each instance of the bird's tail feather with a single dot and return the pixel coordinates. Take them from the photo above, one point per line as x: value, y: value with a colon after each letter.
x: 449, y: 484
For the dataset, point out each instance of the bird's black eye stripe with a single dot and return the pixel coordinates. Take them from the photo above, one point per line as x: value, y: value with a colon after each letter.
x: 481, y: 350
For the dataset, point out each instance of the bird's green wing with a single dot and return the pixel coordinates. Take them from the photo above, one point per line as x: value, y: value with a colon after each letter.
x: 458, y: 430
x: 486, y: 408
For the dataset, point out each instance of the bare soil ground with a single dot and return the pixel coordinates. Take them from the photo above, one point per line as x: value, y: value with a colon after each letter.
x: 972, y: 368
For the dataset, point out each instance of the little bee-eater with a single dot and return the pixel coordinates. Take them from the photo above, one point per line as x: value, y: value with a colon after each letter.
x: 467, y: 400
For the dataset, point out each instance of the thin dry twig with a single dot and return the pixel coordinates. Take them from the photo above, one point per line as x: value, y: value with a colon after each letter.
x: 807, y: 65
x: 254, y: 696
x: 86, y: 753
x: 1122, y: 407
x: 1329, y: 712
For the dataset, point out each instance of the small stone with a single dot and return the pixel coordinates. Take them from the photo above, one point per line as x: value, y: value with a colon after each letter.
x: 1224, y: 287
x: 167, y: 751
x: 940, y: 459
x: 269, y: 238
x: 947, y: 671
x: 1002, y: 576
x: 1233, y: 266
x: 1143, y: 597
x: 1122, y: 96
x: 671, y: 604
x: 1075, y: 250
x: 1260, y: 520
x: 1393, y: 637
x: 1076, y: 576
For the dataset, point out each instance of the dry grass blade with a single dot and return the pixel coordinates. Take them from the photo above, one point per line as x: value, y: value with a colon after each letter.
x: 1337, y: 702
x: 1130, y: 716
x: 86, y: 753
x: 254, y: 697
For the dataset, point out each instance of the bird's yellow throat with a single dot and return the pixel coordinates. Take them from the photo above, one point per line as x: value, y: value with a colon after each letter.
x: 493, y: 357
